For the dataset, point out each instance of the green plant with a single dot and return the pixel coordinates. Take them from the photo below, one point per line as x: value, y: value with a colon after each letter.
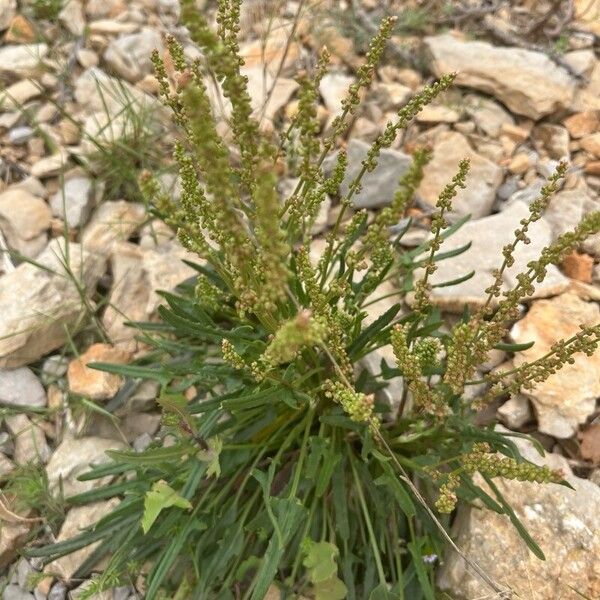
x: 26, y: 489
x: 46, y: 9
x: 275, y: 461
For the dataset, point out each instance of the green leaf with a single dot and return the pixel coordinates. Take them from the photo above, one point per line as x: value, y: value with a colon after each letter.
x: 211, y: 456
x: 177, y: 404
x: 320, y: 560
x: 381, y: 592
x: 454, y: 281
x: 414, y: 548
x: 151, y: 456
x: 289, y: 514
x: 330, y: 589
x: 514, y: 347
x: 161, y: 496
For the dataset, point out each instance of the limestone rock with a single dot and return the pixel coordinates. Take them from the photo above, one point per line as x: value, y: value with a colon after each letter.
x: 50, y: 166
x: 71, y: 16
x: 21, y: 59
x: 13, y: 536
x: 137, y: 274
x: 110, y: 223
x: 516, y: 411
x: 333, y: 89
x: 487, y: 237
x: 583, y: 123
x: 568, y: 397
x: 77, y: 519
x: 489, y: 116
x: 38, y: 306
x: 129, y: 55
x: 591, y: 144
x: 379, y: 186
x: 92, y: 383
x: 19, y: 93
x: 30, y: 441
x: 560, y: 520
x: 20, y: 387
x: 527, y: 82
x: 276, y: 50
x: 23, y: 218
x: 75, y: 200
x: 268, y: 95
x: 74, y: 457
x: 482, y: 182
x: 8, y: 9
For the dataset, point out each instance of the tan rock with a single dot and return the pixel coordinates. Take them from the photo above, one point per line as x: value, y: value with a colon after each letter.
x: 515, y: 132
x: 527, y: 82
x: 519, y: 163
x: 587, y: 13
x: 554, y: 139
x: 20, y: 31
x: 591, y: 144
x: 583, y: 123
x: 592, y: 167
x: 12, y: 538
x: 92, y: 383
x: 578, y: 266
x: 483, y: 179
x: 78, y: 518
x: 437, y: 113
x: 568, y: 397
x: 560, y: 521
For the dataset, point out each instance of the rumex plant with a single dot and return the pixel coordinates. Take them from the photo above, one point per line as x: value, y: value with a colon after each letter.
x: 277, y: 462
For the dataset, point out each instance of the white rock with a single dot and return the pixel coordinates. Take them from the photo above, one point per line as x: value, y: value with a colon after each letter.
x: 20, y: 387
x: 567, y: 398
x: 21, y: 59
x: 38, y: 306
x: 75, y: 456
x: 333, y: 89
x: 20, y: 135
x: 527, y: 82
x: 379, y: 186
x: 483, y: 179
x: 71, y: 16
x: 560, y: 520
x: 8, y: 9
x: 488, y: 236
x: 75, y: 200
x: 129, y: 55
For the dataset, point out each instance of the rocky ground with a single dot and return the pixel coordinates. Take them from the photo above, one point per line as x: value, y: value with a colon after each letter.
x: 79, y: 119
